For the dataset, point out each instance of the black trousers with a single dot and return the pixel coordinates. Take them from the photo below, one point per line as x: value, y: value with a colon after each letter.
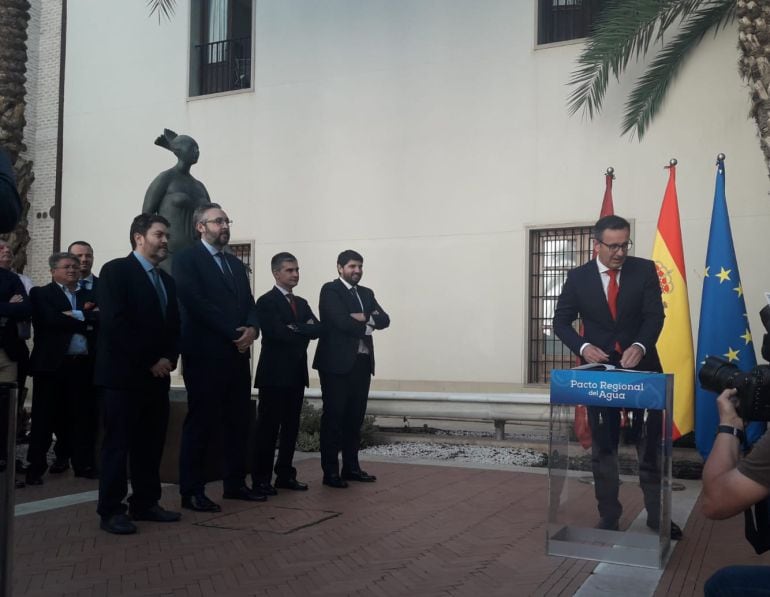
x: 218, y: 393
x: 344, y: 407
x: 64, y: 403
x: 646, y: 429
x: 277, y: 415
x: 135, y: 424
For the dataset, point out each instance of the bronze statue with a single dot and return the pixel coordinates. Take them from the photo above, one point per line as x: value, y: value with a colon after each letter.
x: 175, y: 193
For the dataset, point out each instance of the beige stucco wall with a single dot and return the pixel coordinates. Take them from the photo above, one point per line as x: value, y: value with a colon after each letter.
x: 430, y: 136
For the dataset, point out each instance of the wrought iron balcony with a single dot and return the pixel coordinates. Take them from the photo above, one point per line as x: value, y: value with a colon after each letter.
x: 223, y: 65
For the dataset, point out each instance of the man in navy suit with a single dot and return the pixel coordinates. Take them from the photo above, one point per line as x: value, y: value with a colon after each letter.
x: 345, y: 363
x: 137, y: 351
x: 287, y: 325
x: 618, y: 298
x: 85, y: 255
x: 219, y: 325
x: 62, y: 364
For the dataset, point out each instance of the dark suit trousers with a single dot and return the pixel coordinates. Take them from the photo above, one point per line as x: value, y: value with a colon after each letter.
x: 135, y: 424
x: 344, y: 407
x: 605, y: 437
x: 218, y: 393
x: 279, y: 409
x: 63, y: 403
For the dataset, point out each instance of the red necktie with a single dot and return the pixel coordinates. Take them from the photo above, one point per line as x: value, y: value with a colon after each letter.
x: 292, y: 304
x: 612, y: 299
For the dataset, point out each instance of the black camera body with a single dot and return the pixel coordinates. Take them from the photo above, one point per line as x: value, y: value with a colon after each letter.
x: 718, y: 374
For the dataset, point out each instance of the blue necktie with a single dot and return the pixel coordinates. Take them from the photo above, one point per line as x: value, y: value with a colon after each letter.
x: 159, y: 290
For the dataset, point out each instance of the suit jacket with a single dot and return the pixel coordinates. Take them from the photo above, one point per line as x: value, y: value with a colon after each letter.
x: 338, y: 346
x: 133, y: 332
x: 212, y: 303
x: 12, y: 313
x: 639, y: 310
x: 283, y: 359
x: 54, y: 330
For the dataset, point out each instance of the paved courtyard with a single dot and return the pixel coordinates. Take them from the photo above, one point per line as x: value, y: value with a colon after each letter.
x: 420, y: 530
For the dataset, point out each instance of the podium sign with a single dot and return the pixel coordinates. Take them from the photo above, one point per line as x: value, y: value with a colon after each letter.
x: 610, y: 499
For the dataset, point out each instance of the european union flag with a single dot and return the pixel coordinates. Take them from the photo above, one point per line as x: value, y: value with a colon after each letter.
x: 723, y: 329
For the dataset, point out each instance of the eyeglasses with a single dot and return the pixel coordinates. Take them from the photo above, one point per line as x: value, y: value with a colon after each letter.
x: 67, y: 267
x: 615, y: 248
x: 219, y: 221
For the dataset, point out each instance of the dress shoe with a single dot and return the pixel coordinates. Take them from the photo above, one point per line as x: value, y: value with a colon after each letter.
x: 608, y: 524
x: 359, y: 475
x: 245, y: 494
x: 59, y: 467
x: 292, y: 484
x: 88, y: 472
x: 263, y: 488
x: 117, y: 524
x: 335, y: 481
x: 32, y: 479
x: 155, y: 514
x: 676, y: 532
x: 200, y: 503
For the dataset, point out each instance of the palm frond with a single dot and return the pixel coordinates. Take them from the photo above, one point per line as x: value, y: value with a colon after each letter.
x: 164, y: 8
x: 624, y: 29
x: 650, y: 90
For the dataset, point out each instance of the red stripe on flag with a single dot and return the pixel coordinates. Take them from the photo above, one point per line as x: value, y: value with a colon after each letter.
x: 668, y: 223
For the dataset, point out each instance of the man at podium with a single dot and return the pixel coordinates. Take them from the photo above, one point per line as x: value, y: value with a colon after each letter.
x: 619, y: 301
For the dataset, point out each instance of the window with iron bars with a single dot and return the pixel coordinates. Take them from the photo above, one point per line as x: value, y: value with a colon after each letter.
x: 562, y: 20
x: 552, y: 253
x: 243, y: 252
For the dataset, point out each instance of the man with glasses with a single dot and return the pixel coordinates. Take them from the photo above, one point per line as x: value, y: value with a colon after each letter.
x: 62, y: 364
x: 618, y: 298
x: 219, y: 325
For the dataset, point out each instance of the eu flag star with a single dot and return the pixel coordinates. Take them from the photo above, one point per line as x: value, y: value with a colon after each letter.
x: 724, y: 274
x: 731, y: 355
x: 747, y: 336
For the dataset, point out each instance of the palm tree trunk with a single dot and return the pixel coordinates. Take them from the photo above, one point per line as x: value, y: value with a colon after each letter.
x: 14, y: 17
x: 754, y: 63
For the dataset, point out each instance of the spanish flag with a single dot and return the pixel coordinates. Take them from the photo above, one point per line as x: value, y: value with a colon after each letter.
x: 675, y: 342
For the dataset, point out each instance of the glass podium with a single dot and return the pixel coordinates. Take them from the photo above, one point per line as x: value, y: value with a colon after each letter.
x: 610, y: 490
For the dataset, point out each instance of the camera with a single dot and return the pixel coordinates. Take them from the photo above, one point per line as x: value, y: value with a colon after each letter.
x: 718, y: 374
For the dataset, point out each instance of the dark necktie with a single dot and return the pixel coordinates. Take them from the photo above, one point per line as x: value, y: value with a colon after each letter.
x: 225, y: 269
x: 354, y: 292
x: 292, y: 304
x: 82, y: 285
x: 612, y: 299
x: 159, y: 290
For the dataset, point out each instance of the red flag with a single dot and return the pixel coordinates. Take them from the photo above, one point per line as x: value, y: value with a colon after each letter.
x: 582, y: 428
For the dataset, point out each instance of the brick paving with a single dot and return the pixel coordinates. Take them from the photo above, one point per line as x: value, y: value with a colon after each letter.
x: 420, y: 530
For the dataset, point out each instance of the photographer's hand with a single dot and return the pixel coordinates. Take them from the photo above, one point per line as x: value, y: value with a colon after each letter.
x: 728, y: 415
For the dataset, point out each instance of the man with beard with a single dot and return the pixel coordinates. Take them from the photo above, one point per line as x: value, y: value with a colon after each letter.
x: 136, y: 353
x: 345, y: 363
x: 219, y: 325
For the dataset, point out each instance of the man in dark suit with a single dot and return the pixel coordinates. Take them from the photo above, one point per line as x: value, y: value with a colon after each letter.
x: 219, y: 325
x: 62, y: 364
x: 619, y: 300
x: 137, y: 351
x: 85, y: 255
x: 345, y: 363
x: 287, y: 325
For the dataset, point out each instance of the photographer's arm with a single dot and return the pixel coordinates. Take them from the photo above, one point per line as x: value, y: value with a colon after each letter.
x: 727, y: 491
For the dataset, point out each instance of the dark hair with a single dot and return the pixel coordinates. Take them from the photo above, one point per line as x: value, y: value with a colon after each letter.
x: 279, y: 258
x: 610, y: 223
x: 55, y: 258
x: 347, y: 256
x: 142, y: 223
x: 202, y: 209
x: 80, y: 242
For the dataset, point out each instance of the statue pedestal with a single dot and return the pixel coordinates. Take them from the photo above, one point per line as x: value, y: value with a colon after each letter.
x: 573, y: 516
